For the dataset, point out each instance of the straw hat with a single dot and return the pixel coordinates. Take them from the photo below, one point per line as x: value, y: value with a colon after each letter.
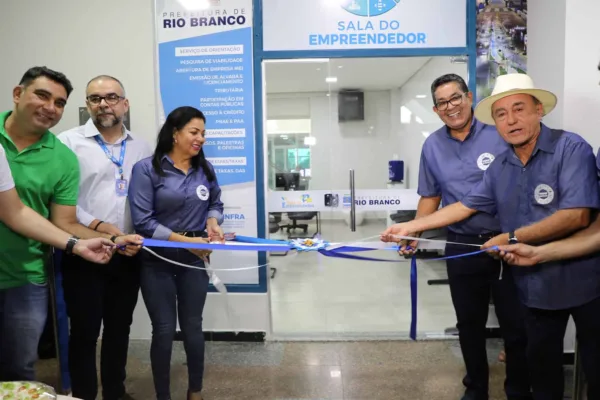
x: 507, y: 85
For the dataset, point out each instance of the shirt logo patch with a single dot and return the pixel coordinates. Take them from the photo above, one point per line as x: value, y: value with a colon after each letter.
x: 543, y: 194
x: 202, y: 192
x: 485, y: 160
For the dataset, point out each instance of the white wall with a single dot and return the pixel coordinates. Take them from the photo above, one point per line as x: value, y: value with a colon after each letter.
x: 288, y: 107
x: 563, y: 57
x: 581, y: 75
x: 84, y: 39
x: 546, y: 52
x: 360, y: 145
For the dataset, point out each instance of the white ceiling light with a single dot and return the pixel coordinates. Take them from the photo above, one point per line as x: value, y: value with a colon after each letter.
x: 421, y: 96
x: 310, y: 140
x: 405, y: 115
x: 195, y: 4
x: 331, y: 79
x: 297, y: 60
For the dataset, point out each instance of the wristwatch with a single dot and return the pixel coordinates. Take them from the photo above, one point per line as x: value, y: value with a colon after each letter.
x: 71, y: 244
x: 512, y: 238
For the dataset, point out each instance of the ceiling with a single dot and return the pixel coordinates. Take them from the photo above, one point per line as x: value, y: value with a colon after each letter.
x: 308, y: 75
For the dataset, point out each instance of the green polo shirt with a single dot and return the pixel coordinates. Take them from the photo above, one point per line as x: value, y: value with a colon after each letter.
x: 44, y: 173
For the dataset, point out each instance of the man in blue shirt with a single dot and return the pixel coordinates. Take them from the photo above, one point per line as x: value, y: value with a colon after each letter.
x: 542, y: 189
x: 581, y: 244
x: 453, y: 161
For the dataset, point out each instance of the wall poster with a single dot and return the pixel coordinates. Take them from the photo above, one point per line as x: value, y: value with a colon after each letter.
x: 205, y: 60
x: 501, y: 41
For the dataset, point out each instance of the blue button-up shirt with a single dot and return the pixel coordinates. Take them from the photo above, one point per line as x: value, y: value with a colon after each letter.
x: 561, y: 174
x: 598, y: 163
x: 175, y: 202
x: 451, y: 168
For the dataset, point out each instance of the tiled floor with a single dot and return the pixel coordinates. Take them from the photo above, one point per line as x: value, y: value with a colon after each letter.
x: 427, y: 370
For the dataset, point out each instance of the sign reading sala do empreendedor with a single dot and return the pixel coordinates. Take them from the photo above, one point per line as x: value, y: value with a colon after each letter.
x: 363, y: 24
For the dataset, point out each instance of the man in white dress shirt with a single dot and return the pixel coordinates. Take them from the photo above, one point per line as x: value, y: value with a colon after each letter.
x: 107, y: 152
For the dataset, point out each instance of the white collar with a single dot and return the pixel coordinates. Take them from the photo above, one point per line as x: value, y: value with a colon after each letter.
x: 90, y: 130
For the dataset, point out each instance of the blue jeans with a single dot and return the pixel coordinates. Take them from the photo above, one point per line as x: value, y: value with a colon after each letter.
x: 23, y: 313
x: 170, y: 290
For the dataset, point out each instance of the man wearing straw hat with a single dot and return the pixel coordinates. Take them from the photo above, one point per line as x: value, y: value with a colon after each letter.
x: 543, y: 189
x: 581, y: 244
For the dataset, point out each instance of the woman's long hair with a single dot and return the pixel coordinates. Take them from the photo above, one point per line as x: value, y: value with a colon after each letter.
x: 177, y: 119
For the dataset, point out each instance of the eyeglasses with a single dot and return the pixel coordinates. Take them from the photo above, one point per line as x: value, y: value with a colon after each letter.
x: 455, y: 101
x: 111, y: 99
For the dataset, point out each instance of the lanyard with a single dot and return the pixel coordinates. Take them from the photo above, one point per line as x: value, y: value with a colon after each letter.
x: 118, y: 163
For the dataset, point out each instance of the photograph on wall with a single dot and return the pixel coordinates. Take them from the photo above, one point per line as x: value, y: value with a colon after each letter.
x: 501, y: 41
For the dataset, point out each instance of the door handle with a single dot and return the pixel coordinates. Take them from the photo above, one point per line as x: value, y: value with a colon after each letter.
x: 352, y: 203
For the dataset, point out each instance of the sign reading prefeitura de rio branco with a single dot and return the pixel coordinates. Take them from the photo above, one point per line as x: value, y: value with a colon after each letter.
x: 205, y: 60
x: 363, y: 24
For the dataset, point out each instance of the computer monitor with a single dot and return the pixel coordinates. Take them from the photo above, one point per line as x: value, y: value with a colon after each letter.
x: 287, y: 180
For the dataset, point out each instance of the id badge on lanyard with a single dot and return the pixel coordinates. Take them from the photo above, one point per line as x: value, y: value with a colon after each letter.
x: 120, y: 183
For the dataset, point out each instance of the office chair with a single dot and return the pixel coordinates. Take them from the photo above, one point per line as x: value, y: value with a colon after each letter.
x: 274, y: 227
x: 301, y: 216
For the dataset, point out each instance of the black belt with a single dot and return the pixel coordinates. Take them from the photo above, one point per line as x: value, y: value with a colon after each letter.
x: 193, y: 233
x: 488, y: 235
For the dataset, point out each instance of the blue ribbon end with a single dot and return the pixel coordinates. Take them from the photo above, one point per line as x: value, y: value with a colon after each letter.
x: 413, y: 298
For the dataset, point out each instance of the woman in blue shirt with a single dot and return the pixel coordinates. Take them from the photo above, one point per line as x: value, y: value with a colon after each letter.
x: 174, y: 195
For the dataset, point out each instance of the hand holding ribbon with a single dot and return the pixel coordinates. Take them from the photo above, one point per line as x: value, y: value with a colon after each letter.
x: 407, y: 247
x: 402, y: 229
x: 129, y: 245
x: 203, y: 254
x: 492, y: 245
x: 521, y: 255
x: 98, y: 250
x: 215, y: 232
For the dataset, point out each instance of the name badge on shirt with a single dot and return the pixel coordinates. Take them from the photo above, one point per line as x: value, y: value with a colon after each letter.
x: 121, y: 187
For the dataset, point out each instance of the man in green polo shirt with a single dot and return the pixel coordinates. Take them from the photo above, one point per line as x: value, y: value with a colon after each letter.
x: 46, y: 176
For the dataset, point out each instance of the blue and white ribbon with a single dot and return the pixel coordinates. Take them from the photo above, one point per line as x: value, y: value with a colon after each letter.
x: 337, y: 250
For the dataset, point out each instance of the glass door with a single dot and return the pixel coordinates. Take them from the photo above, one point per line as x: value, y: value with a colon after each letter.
x: 344, y: 138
